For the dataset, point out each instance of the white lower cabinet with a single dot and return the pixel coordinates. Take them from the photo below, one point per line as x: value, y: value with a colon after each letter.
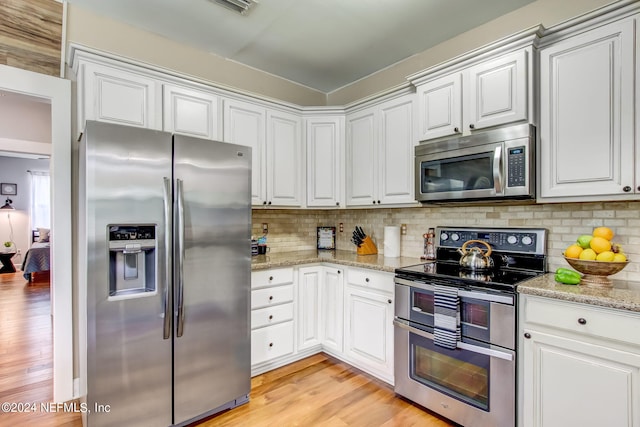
x: 297, y: 313
x: 332, y: 309
x: 271, y: 342
x: 272, y: 317
x: 580, y: 365
x: 309, y: 279
x: 368, y: 329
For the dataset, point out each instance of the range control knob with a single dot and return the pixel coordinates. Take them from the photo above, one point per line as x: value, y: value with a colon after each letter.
x: 527, y: 240
x: 455, y: 237
x: 512, y: 240
x: 444, y: 236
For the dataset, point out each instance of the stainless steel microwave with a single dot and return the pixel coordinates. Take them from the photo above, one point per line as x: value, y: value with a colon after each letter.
x: 495, y: 164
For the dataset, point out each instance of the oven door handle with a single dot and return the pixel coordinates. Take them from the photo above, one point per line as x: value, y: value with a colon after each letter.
x: 461, y: 345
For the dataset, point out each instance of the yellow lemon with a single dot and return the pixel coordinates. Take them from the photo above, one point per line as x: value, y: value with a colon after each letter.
x: 573, y: 251
x: 604, y: 232
x: 605, y: 256
x: 619, y: 257
x: 600, y: 244
x: 588, y: 254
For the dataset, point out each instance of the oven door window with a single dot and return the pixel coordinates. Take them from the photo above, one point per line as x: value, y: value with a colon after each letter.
x: 422, y: 308
x: 471, y: 172
x: 459, y: 373
x: 475, y: 318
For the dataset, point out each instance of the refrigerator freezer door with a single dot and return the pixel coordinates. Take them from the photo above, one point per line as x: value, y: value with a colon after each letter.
x: 128, y: 357
x: 212, y: 330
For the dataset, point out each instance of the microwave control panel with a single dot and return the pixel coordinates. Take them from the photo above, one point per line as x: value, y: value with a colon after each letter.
x: 516, y: 167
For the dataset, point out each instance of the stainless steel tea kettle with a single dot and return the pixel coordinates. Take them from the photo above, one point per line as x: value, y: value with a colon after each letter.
x: 475, y: 258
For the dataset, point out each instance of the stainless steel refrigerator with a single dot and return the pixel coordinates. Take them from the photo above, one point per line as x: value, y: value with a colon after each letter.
x: 165, y: 222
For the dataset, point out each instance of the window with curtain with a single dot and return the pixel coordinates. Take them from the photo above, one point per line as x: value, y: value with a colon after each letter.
x: 40, y: 200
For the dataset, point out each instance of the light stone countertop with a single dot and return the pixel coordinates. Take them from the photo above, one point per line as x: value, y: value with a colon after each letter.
x: 351, y: 259
x: 623, y: 295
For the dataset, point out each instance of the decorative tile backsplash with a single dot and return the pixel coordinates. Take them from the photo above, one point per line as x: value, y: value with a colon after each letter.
x: 294, y: 230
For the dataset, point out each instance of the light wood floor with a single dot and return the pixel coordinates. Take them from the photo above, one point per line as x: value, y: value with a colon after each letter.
x: 26, y: 367
x: 317, y: 391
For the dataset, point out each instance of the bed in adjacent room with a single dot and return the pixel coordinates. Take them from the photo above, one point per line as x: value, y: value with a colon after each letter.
x: 38, y: 257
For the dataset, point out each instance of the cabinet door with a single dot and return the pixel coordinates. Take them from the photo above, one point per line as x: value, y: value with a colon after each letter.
x: 369, y: 331
x: 361, y: 168
x: 331, y: 309
x: 497, y: 92
x: 309, y: 283
x: 587, y: 113
x: 118, y: 96
x: 244, y: 124
x: 324, y: 160
x: 284, y: 159
x: 191, y: 112
x: 440, y: 107
x: 571, y: 383
x: 396, y: 151
x: 271, y: 342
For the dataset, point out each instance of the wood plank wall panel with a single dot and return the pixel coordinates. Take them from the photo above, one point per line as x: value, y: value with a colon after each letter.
x: 31, y: 35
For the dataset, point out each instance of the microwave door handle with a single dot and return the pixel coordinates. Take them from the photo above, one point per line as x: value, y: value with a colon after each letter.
x: 497, y: 170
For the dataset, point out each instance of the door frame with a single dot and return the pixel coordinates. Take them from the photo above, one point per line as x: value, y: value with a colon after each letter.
x: 58, y: 92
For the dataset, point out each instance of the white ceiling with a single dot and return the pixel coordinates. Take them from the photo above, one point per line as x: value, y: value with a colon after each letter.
x: 322, y: 44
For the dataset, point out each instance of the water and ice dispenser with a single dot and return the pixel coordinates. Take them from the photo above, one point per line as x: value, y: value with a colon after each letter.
x: 132, y: 259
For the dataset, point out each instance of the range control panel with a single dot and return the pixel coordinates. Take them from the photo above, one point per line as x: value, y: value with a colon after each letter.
x: 530, y: 240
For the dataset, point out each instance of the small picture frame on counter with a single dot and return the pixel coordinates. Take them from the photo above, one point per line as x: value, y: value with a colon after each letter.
x: 326, y: 238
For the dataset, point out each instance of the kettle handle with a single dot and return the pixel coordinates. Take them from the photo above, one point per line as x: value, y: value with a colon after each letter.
x: 486, y: 254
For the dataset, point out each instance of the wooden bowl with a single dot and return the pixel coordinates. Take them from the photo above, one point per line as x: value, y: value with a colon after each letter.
x: 595, y: 272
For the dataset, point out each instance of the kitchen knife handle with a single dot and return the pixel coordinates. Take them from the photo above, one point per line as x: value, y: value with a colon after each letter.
x: 180, y: 314
x: 166, y: 194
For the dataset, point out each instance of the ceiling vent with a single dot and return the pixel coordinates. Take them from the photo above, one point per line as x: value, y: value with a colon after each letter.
x: 243, y: 7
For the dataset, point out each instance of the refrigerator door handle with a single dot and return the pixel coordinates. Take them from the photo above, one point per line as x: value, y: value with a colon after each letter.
x: 180, y: 251
x: 166, y: 330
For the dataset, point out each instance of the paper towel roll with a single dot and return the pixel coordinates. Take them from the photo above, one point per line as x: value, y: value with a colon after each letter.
x: 392, y: 241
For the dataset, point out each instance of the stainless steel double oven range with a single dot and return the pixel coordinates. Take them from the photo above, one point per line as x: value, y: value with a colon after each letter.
x: 473, y: 384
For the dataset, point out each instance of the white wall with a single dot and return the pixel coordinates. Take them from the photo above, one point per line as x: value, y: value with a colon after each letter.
x: 14, y: 170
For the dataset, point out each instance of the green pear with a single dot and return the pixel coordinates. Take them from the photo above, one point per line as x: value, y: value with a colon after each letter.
x: 584, y: 240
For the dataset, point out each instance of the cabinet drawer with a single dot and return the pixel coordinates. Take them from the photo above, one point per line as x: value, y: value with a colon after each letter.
x: 371, y: 279
x: 271, y: 296
x: 592, y: 321
x: 271, y: 315
x: 281, y: 276
x: 271, y: 342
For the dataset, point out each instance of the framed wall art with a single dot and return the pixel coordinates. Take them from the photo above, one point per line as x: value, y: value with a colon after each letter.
x: 8, y: 189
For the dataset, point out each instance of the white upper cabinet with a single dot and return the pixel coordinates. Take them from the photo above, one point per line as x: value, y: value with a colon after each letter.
x: 587, y: 137
x: 276, y: 141
x: 284, y: 159
x: 245, y: 124
x: 497, y: 92
x: 191, y: 112
x: 325, y: 147
x: 118, y: 95
x: 494, y: 92
x: 362, y: 143
x: 379, y: 153
x: 396, y: 181
x: 440, y: 106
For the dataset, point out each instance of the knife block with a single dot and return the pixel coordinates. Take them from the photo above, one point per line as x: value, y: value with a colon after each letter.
x: 367, y: 247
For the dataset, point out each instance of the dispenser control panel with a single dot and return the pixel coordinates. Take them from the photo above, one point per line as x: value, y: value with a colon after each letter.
x: 132, y: 232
